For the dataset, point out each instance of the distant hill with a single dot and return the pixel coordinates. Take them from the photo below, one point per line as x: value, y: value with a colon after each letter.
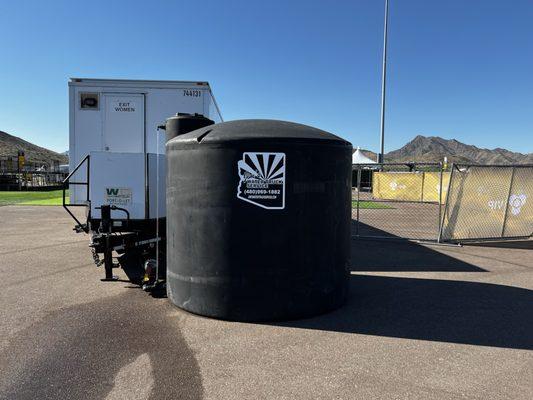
x: 420, y: 149
x: 10, y: 145
x: 434, y: 149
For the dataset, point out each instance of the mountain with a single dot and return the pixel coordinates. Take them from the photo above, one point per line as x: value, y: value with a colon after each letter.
x: 420, y: 149
x: 10, y: 145
x: 434, y: 149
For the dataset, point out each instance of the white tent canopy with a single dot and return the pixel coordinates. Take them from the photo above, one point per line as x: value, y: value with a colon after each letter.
x: 359, y: 158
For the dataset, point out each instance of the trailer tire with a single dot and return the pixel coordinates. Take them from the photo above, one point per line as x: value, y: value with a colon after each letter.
x: 132, y: 264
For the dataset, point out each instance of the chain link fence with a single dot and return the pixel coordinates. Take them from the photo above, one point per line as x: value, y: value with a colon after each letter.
x: 31, y: 180
x: 488, y: 202
x: 13, y: 164
x: 403, y: 200
x: 426, y: 202
x: 18, y: 174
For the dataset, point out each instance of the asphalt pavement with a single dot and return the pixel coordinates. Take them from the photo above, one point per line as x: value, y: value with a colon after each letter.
x: 422, y: 322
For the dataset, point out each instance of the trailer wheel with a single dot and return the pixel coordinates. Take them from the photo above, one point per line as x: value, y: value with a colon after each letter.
x: 132, y: 264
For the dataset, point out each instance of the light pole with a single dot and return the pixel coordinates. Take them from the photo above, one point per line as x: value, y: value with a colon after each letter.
x: 383, y: 80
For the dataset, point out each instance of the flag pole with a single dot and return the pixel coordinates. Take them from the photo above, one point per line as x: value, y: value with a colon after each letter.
x: 383, y: 81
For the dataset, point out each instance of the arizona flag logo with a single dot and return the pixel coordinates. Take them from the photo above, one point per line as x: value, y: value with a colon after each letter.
x: 262, y: 179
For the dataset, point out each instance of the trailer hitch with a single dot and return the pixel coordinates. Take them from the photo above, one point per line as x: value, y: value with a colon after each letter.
x: 81, y: 228
x: 96, y: 258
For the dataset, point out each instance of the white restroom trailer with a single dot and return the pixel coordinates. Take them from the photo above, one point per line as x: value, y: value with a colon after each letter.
x: 117, y: 157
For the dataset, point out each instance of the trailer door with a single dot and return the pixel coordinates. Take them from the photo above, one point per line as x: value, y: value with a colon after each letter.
x: 123, y: 130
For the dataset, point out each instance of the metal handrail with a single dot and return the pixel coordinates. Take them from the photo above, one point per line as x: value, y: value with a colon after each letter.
x: 67, y: 182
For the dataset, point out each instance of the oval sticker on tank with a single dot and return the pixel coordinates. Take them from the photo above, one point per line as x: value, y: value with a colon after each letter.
x: 262, y: 179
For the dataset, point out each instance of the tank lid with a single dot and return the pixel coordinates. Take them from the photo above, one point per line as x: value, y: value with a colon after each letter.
x: 257, y: 129
x: 187, y: 115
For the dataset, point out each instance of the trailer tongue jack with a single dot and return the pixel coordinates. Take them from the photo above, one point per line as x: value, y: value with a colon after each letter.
x: 137, y: 251
x: 106, y: 227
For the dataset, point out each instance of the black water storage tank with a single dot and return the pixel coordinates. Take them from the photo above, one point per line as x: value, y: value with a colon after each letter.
x: 258, y: 220
x: 182, y: 123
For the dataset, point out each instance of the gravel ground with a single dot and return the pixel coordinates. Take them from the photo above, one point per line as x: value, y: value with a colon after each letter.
x: 422, y: 323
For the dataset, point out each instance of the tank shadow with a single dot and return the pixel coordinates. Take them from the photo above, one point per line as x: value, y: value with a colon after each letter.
x: 426, y: 309
x: 435, y: 310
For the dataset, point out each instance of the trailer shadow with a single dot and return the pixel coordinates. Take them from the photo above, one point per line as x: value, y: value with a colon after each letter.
x: 82, y: 352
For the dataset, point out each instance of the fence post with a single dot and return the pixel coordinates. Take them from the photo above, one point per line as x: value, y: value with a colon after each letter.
x: 440, y: 193
x: 358, y: 191
x: 507, y: 203
x: 441, y: 224
x: 422, y: 187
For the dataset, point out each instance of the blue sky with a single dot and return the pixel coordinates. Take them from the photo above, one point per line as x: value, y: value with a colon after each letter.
x: 457, y: 69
